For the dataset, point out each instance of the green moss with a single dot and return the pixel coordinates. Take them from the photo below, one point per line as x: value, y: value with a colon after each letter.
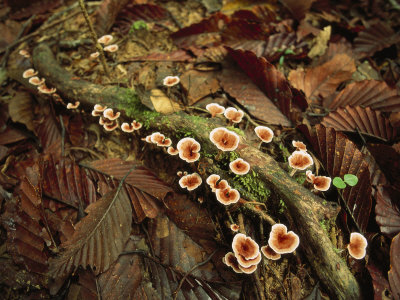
x: 282, y: 206
x: 237, y: 130
x: 251, y: 186
x: 300, y: 178
x: 285, y: 151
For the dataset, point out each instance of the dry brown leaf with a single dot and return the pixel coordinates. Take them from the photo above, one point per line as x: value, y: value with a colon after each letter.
x: 298, y: 8
x: 198, y: 85
x: 162, y: 103
x: 320, y: 42
x: 368, y: 93
x: 387, y: 213
x: 21, y: 109
x: 365, y: 120
x: 98, y: 238
x: 323, y: 80
x: 394, y: 273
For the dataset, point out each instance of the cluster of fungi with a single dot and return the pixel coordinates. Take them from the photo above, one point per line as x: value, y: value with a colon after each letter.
x: 105, y: 40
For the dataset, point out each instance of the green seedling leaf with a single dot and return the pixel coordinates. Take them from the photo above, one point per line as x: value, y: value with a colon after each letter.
x: 350, y: 179
x: 281, y: 60
x: 288, y: 51
x: 339, y: 183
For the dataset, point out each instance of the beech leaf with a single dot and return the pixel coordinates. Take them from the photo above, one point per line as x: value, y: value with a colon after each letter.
x: 98, y: 238
x: 394, y: 273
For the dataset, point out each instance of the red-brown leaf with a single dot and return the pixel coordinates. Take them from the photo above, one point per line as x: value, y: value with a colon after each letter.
x: 367, y: 93
x: 394, y: 273
x: 340, y: 156
x: 323, y: 80
x: 365, y: 120
x: 375, y: 38
x: 99, y: 237
x: 298, y: 8
x: 380, y: 283
x: 387, y: 213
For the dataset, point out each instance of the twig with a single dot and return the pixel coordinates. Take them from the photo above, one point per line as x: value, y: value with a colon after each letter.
x: 97, y: 289
x: 190, y: 271
x: 94, y: 37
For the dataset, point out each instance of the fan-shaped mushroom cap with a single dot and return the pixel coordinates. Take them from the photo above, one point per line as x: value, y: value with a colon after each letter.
x: 358, y: 245
x: 45, y: 90
x: 300, y: 160
x: 110, y: 126
x: 136, y: 125
x: 126, y: 127
x: 322, y: 183
x: 29, y: 73
x: 24, y: 53
x: 215, y: 109
x: 190, y: 181
x: 224, y: 139
x: 103, y: 121
x: 36, y: 80
x: 248, y: 270
x: 105, y: 39
x: 165, y: 143
x: 147, y: 139
x: 246, y: 250
x: 234, y: 115
x: 157, y: 137
x: 72, y: 105
x: 171, y: 81
x: 109, y: 114
x: 282, y: 241
x: 264, y: 133
x: 188, y: 149
x: 215, y: 183
x: 310, y: 176
x: 227, y: 196
x: 300, y: 146
x: 172, y: 151
x: 230, y: 260
x: 270, y: 253
x: 111, y: 48
x: 235, y: 227
x: 239, y: 166
x: 94, y: 55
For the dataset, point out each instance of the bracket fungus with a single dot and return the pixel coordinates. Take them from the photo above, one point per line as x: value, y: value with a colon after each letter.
x: 215, y: 109
x: 126, y: 127
x: 264, y: 133
x: 246, y: 250
x: 188, y: 149
x: 230, y: 260
x: 36, y: 80
x: 172, y: 151
x: 111, y: 48
x: 73, y: 105
x: 24, y: 53
x: 136, y: 125
x: 300, y: 160
x: 239, y: 166
x: 94, y: 55
x: 227, y: 196
x: 269, y: 253
x: 215, y: 182
x: 110, y: 126
x: 105, y: 39
x: 358, y: 245
x: 282, y: 241
x: 248, y: 270
x: 46, y: 90
x: 171, y: 81
x: 300, y: 146
x: 233, y: 115
x: 234, y: 227
x: 322, y: 183
x: 190, y: 181
x: 224, y: 139
x: 109, y: 114
x: 29, y: 73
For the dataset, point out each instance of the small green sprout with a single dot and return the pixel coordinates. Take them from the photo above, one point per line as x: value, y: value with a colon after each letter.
x: 137, y: 25
x: 348, y: 179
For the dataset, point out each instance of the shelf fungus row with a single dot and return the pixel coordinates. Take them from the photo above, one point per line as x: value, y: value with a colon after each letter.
x: 30, y: 74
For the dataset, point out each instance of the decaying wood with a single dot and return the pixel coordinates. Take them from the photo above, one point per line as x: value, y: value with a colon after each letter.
x: 305, y: 209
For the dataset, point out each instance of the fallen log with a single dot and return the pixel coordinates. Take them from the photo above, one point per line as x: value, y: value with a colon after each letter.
x: 305, y: 209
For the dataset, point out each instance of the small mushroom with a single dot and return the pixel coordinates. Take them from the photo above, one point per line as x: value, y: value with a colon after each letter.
x: 171, y: 81
x: 310, y: 176
x: 358, y: 245
x: 111, y: 48
x: 103, y: 121
x: 227, y: 196
x: 126, y: 127
x: 157, y: 137
x: 172, y: 151
x: 165, y: 143
x: 282, y: 241
x: 94, y: 55
x: 239, y: 166
x: 36, y: 81
x: 246, y: 250
x: 179, y: 173
x: 264, y: 133
x: 136, y: 125
x: 235, y: 227
x: 188, y: 149
x: 29, y: 73
x: 270, y: 253
x: 45, y: 90
x: 300, y: 160
x: 215, y: 183
x: 190, y: 181
x: 322, y: 183
x: 215, y: 109
x: 73, y: 106
x: 24, y: 53
x: 233, y: 115
x: 300, y: 146
x: 248, y: 270
x: 105, y: 39
x: 224, y: 139
x: 111, y: 126
x: 109, y: 114
x: 147, y: 139
x: 230, y: 260
x: 99, y: 108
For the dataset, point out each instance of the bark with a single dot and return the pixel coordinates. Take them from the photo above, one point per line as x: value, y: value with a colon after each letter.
x: 305, y: 208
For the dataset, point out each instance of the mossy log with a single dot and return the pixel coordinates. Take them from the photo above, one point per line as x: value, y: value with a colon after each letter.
x: 305, y: 209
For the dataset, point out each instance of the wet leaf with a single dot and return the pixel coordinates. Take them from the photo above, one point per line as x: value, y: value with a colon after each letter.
x: 162, y: 103
x: 380, y: 283
x: 48, y: 132
x: 298, y: 8
x: 98, y: 238
x: 21, y: 109
x: 199, y: 84
x: 387, y: 213
x: 365, y: 120
x: 394, y: 273
x: 375, y: 38
x: 323, y: 80
x: 367, y: 93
